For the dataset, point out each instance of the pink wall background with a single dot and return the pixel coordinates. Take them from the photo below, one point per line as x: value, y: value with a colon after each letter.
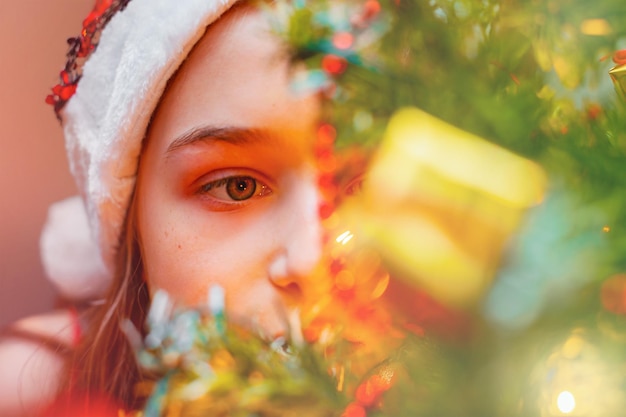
x: 33, y: 167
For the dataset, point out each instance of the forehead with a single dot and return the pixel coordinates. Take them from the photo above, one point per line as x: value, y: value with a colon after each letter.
x: 238, y: 75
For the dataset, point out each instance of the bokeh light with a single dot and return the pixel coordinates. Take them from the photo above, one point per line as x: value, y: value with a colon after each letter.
x: 566, y: 402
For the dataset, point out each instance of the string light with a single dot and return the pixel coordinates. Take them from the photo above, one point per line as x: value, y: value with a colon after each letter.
x: 345, y: 237
x: 566, y: 402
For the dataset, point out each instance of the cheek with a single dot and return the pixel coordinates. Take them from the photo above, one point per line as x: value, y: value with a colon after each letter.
x: 187, y: 249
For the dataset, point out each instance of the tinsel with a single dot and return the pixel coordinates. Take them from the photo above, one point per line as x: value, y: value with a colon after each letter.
x: 206, y: 366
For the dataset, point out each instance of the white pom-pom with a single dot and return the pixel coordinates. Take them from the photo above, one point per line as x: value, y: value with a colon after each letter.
x: 70, y: 256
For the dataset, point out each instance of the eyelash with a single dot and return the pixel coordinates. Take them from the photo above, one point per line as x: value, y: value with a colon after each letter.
x: 355, y: 186
x: 228, y: 201
x: 261, y: 190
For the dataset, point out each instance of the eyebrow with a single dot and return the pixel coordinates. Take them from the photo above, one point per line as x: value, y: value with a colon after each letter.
x: 203, y: 134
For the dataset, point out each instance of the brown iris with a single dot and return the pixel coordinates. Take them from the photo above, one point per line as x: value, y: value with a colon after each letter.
x: 240, y: 188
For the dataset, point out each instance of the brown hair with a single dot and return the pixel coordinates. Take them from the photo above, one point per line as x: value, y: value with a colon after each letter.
x: 104, y: 362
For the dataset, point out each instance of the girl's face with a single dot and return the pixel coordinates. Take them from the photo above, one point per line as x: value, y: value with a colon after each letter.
x: 227, y: 191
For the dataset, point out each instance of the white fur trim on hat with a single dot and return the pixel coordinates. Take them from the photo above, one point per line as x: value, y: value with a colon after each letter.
x: 69, y: 254
x: 122, y: 82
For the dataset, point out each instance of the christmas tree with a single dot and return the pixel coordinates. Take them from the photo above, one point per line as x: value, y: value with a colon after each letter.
x: 496, y: 195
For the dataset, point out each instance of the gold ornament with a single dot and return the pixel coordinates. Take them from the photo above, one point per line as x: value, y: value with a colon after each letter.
x: 618, y: 75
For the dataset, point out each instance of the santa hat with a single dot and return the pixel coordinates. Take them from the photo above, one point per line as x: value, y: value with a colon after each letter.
x: 105, y: 107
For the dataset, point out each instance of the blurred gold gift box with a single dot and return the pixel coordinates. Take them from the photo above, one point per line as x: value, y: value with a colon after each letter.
x: 439, y: 205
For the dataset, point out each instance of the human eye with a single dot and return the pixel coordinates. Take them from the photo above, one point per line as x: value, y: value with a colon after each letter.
x: 354, y: 186
x: 234, y: 190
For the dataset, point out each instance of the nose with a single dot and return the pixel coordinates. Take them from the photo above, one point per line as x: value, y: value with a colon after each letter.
x: 299, y: 236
